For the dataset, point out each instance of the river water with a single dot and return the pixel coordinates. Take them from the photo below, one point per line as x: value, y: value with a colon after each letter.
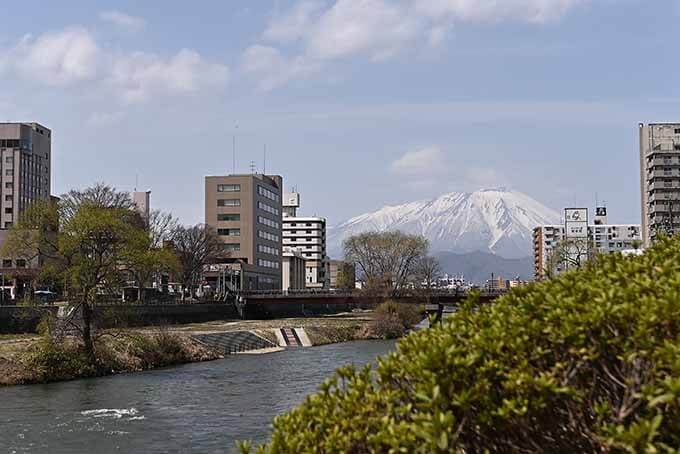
x: 195, y: 408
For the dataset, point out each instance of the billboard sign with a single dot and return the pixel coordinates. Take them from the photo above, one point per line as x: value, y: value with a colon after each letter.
x: 576, y: 223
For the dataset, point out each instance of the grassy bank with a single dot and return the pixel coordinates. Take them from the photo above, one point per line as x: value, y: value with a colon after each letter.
x: 43, y: 361
x: 27, y: 359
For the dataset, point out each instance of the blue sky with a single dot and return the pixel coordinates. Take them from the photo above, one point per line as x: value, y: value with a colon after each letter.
x: 360, y: 103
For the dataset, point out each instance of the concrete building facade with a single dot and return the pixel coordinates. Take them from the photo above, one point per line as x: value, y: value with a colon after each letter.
x: 659, y: 179
x: 307, y: 235
x: 246, y: 213
x: 25, y: 177
x: 293, y: 271
x: 604, y: 238
x: 142, y: 201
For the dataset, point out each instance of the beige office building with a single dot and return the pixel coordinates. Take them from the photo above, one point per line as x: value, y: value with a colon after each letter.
x: 245, y: 211
x: 659, y: 179
x: 25, y: 177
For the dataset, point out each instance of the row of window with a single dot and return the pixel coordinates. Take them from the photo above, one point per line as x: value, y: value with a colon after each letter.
x: 232, y: 247
x: 228, y: 202
x: 229, y: 217
x: 20, y: 263
x: 268, y: 208
x: 268, y: 250
x: 16, y: 143
x: 266, y: 280
x: 268, y: 264
x: 268, y: 222
x: 228, y: 188
x: 271, y: 195
x: 229, y: 232
x: 268, y: 236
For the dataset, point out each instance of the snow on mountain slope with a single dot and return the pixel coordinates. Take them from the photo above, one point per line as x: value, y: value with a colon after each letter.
x: 490, y: 220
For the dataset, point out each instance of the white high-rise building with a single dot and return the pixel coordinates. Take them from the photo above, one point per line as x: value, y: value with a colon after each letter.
x: 306, y: 235
x: 604, y: 238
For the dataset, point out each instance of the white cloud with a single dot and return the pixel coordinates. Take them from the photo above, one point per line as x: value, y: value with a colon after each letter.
x: 72, y: 56
x: 420, y: 163
x: 293, y: 24
x: 122, y: 20
x: 381, y: 29
x: 55, y: 58
x: 532, y: 11
x: 272, y: 69
x: 138, y: 75
x: 378, y: 28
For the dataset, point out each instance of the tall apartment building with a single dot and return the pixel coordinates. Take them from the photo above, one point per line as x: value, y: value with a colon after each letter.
x: 25, y: 177
x: 605, y: 238
x: 307, y: 235
x: 245, y: 211
x: 659, y: 179
x: 25, y: 164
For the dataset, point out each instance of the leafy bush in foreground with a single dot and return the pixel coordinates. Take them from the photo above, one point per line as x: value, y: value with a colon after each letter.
x: 587, y: 362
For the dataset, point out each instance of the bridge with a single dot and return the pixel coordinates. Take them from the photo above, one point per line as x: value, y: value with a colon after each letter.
x: 275, y: 304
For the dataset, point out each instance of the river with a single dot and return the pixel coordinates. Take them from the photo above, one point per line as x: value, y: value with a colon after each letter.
x: 194, y: 408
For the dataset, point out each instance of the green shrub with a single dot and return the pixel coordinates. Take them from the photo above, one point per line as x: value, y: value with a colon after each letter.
x: 587, y: 362
x: 409, y: 314
x: 162, y: 348
x: 50, y: 362
x: 391, y: 320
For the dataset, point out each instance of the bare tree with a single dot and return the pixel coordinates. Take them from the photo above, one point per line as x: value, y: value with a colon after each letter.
x: 195, y: 247
x: 100, y: 195
x: 386, y: 260
x: 428, y: 272
x: 569, y: 254
x: 162, y: 227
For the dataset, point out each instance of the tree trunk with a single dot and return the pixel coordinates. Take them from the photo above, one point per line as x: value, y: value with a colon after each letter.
x: 87, y: 333
x: 140, y: 292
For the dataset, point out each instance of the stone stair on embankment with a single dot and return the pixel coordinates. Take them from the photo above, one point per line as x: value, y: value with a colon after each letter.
x: 231, y: 342
x: 292, y: 337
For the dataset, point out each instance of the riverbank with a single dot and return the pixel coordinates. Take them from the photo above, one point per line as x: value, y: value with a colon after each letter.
x: 30, y: 359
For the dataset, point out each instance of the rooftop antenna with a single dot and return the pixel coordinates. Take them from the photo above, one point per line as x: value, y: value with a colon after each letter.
x: 597, y: 203
x: 253, y: 167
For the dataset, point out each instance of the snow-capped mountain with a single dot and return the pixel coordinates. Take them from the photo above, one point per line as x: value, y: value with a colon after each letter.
x: 499, y: 221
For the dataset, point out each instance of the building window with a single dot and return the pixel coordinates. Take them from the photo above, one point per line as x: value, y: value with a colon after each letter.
x: 232, y: 247
x: 9, y: 172
x: 264, y: 192
x: 229, y: 232
x: 8, y: 210
x: 268, y: 208
x: 228, y: 202
x: 268, y: 250
x: 6, y: 263
x: 8, y: 224
x: 8, y: 198
x: 229, y: 217
x: 228, y: 188
x: 268, y: 236
x: 268, y: 222
x: 268, y: 264
x: 21, y: 263
x: 677, y: 130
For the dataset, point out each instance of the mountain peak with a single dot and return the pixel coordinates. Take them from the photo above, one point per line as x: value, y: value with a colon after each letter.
x: 495, y: 220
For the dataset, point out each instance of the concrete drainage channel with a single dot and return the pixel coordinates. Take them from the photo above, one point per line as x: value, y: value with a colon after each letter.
x: 234, y: 342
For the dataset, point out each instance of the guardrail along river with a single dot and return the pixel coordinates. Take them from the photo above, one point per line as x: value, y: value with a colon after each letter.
x: 194, y: 408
